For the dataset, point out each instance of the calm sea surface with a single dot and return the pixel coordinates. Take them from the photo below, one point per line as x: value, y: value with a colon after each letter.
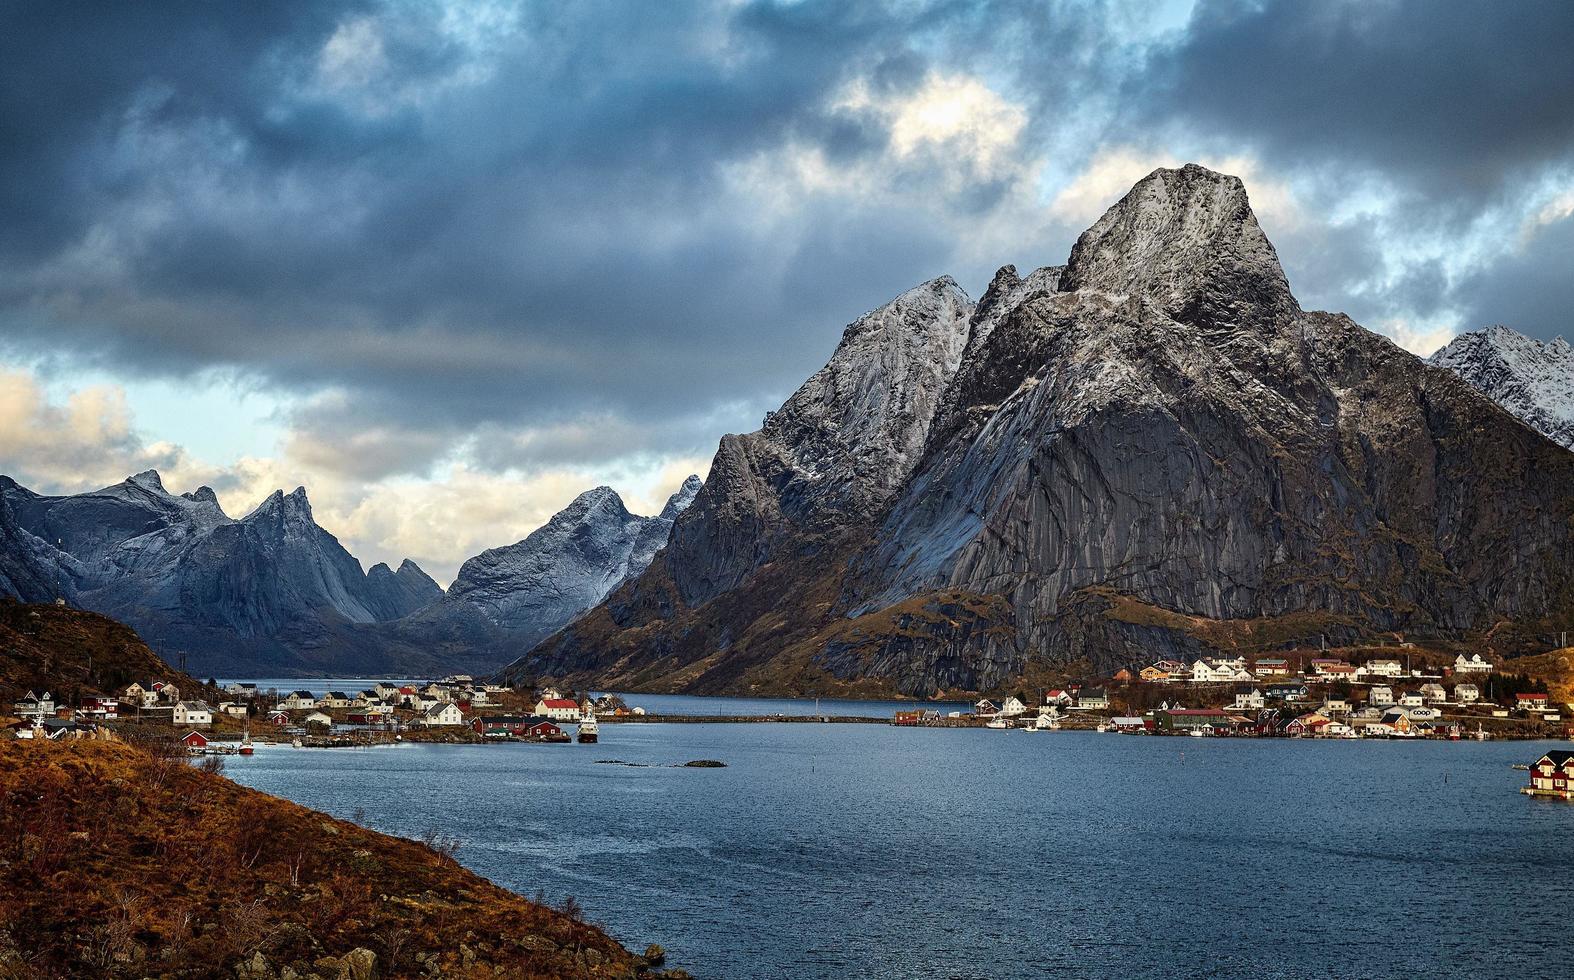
x: 871, y: 851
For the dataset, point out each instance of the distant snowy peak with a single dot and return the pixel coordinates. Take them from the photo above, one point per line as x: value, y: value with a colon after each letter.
x: 682, y: 498
x: 1532, y: 380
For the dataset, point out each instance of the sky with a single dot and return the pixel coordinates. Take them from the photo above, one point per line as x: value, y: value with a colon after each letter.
x: 449, y: 264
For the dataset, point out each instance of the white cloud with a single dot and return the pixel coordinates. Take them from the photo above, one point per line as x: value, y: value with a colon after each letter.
x: 1421, y: 339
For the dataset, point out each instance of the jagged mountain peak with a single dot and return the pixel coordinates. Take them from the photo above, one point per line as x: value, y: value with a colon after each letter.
x: 682, y: 497
x: 1187, y: 240
x: 1532, y: 380
x: 148, y: 480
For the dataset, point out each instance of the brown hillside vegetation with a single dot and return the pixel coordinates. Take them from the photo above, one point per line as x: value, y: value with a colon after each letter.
x: 71, y: 652
x: 123, y: 860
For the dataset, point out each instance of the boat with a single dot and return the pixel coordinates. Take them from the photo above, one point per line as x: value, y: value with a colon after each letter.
x: 588, y: 729
x: 997, y: 722
x: 245, y: 743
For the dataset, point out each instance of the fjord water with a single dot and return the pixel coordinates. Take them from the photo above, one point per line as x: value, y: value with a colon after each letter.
x: 871, y: 851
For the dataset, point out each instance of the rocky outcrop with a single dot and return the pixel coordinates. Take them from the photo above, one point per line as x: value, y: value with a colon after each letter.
x: 1152, y: 448
x: 393, y: 595
x: 1533, y: 381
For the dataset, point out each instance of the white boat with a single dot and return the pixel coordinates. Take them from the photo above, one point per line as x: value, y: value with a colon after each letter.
x: 997, y: 722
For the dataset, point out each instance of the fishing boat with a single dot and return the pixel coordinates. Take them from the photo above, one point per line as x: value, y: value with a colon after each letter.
x: 245, y: 743
x: 997, y: 722
x: 588, y: 729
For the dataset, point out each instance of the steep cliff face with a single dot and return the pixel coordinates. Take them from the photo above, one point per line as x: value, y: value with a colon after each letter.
x: 1151, y: 450
x: 1531, y: 380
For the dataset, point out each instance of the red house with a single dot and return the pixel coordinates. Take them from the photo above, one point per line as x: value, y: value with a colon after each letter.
x: 1552, y: 775
x: 195, y: 740
x: 279, y: 718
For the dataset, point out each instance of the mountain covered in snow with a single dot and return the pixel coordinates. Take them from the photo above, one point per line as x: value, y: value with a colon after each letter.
x: 524, y: 592
x: 1532, y: 380
x: 1150, y: 451
x: 273, y: 593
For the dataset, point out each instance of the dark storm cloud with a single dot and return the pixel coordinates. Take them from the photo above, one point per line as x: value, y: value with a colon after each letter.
x: 473, y: 228
x: 1454, y: 99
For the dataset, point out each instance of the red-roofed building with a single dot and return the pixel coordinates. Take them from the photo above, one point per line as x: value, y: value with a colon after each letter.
x: 558, y: 709
x: 1531, y: 702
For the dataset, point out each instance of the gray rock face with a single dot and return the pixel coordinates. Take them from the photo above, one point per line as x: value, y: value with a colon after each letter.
x: 835, y: 451
x: 1531, y: 380
x: 397, y: 594
x: 1147, y: 451
x: 534, y: 587
x: 263, y: 591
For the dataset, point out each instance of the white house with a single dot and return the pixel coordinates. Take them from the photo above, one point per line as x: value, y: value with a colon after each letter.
x: 1380, y: 695
x: 566, y: 709
x: 234, y: 709
x: 441, y: 714
x: 1093, y: 699
x: 1250, y: 699
x: 1382, y: 668
x: 1467, y: 693
x: 35, y: 705
x: 1434, y: 693
x: 1412, y: 699
x: 191, y: 714
x: 299, y: 701
x: 318, y: 718
x: 334, y: 699
x: 133, y: 693
x: 1474, y: 665
x: 1012, y: 708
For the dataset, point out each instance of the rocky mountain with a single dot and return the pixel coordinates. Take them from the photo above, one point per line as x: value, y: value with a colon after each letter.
x: 275, y: 594
x: 1150, y: 451
x: 397, y: 594
x: 1532, y: 380
x: 271, y: 591
x: 519, y: 594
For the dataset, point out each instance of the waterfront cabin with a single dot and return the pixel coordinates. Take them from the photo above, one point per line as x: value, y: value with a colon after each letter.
x: 1182, y: 720
x: 1474, y: 665
x: 985, y: 708
x: 442, y: 715
x: 545, y: 730
x: 194, y: 740
x: 557, y: 709
x: 278, y: 718
x: 1553, y: 775
x: 1130, y: 724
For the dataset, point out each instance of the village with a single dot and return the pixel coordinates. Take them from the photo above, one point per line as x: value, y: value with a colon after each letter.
x: 1284, y: 697
x: 454, y: 709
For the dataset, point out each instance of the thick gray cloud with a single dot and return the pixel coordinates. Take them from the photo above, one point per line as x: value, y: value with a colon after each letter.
x: 569, y: 217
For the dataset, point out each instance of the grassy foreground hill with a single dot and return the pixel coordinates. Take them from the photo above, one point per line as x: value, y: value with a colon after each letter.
x: 123, y: 860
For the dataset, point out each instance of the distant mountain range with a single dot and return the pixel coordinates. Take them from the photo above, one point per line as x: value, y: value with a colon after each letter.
x: 275, y: 593
x: 1151, y: 451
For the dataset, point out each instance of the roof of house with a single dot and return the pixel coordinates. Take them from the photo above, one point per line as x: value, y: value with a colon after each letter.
x: 1531, y: 697
x: 1558, y: 757
x: 567, y: 703
x: 302, y: 694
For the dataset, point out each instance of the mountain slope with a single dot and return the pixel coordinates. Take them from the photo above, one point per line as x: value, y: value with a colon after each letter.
x: 1533, y: 381
x: 1151, y: 451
